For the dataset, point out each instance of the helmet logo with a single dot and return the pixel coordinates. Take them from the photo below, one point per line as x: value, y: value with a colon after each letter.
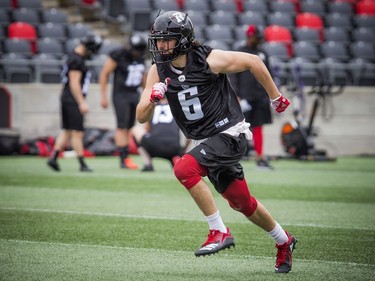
x: 178, y: 17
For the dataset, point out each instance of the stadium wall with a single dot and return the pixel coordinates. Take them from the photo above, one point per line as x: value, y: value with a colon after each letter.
x: 350, y: 131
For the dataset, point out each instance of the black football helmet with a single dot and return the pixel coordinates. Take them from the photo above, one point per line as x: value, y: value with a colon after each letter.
x: 171, y: 25
x: 92, y: 42
x: 138, y: 42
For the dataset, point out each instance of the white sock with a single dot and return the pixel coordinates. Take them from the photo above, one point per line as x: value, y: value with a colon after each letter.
x: 215, y: 222
x: 278, y: 233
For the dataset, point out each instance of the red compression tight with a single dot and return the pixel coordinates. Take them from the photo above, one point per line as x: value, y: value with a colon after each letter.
x: 239, y: 198
x: 188, y: 171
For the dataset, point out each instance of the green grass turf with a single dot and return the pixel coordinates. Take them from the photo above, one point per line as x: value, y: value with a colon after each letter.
x: 117, y: 224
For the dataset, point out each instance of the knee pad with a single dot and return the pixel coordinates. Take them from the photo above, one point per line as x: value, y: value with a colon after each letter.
x: 188, y: 171
x: 239, y: 198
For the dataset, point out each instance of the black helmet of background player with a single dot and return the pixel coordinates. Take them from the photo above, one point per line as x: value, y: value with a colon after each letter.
x: 92, y: 42
x: 171, y: 25
x: 138, y: 44
x: 253, y: 35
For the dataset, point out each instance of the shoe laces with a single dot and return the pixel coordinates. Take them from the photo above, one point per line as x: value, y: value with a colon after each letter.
x: 213, y: 236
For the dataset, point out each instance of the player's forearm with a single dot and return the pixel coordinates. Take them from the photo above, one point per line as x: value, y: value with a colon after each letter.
x: 261, y: 73
x: 145, y: 110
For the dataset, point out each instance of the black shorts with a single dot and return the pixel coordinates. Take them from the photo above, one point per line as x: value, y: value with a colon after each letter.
x: 157, y: 147
x: 221, y: 155
x: 72, y: 118
x: 259, y: 114
x: 125, y: 110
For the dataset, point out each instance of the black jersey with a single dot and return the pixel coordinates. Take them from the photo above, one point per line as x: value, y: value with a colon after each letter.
x: 74, y: 62
x: 129, y: 72
x: 163, y: 126
x: 203, y: 103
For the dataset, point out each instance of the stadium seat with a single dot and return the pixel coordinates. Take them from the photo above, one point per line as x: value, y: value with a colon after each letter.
x: 364, y: 21
x: 18, y: 46
x: 256, y: 6
x: 199, y: 18
x: 16, y: 68
x: 307, y: 34
x: 6, y: 5
x: 364, y: 50
x: 334, y: 71
x: 78, y: 30
x: 276, y: 49
x: 340, y: 7
x: 52, y: 30
x: 306, y: 50
x: 275, y: 33
x: 218, y: 44
x: 365, y: 34
x: 315, y: 7
x: 50, y: 46
x: 287, y: 7
x: 224, y: 5
x: 337, y: 34
x: 166, y: 5
x: 32, y: 4
x: 362, y: 72
x: 54, y: 16
x: 338, y: 20
x: 223, y: 18
x: 335, y: 50
x: 27, y: 15
x: 365, y: 8
x: 281, y: 19
x: 196, y: 5
x: 47, y: 68
x: 219, y: 32
x: 254, y: 18
x: 310, y: 20
x: 305, y: 71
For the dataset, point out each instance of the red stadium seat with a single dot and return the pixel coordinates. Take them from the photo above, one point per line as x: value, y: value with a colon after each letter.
x: 310, y: 20
x: 365, y: 7
x: 276, y: 33
x: 23, y: 30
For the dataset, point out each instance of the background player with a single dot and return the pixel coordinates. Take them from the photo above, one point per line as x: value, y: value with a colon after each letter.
x: 160, y: 137
x: 254, y: 99
x: 76, y: 79
x: 129, y: 70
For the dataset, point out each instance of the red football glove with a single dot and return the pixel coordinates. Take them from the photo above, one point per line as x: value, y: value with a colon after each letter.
x: 280, y: 104
x: 158, y: 91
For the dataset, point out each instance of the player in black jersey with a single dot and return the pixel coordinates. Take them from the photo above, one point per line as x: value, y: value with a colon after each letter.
x: 129, y: 70
x: 160, y: 137
x: 76, y: 79
x: 254, y: 100
x: 193, y: 78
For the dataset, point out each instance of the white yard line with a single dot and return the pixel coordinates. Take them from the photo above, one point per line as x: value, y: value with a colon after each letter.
x: 100, y: 214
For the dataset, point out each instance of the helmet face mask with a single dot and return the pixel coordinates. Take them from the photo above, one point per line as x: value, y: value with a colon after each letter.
x: 168, y: 26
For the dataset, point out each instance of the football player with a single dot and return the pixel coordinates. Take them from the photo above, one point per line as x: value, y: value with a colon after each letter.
x: 76, y: 79
x: 193, y: 78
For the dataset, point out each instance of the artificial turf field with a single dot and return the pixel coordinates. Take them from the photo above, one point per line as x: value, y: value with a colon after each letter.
x: 117, y: 224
